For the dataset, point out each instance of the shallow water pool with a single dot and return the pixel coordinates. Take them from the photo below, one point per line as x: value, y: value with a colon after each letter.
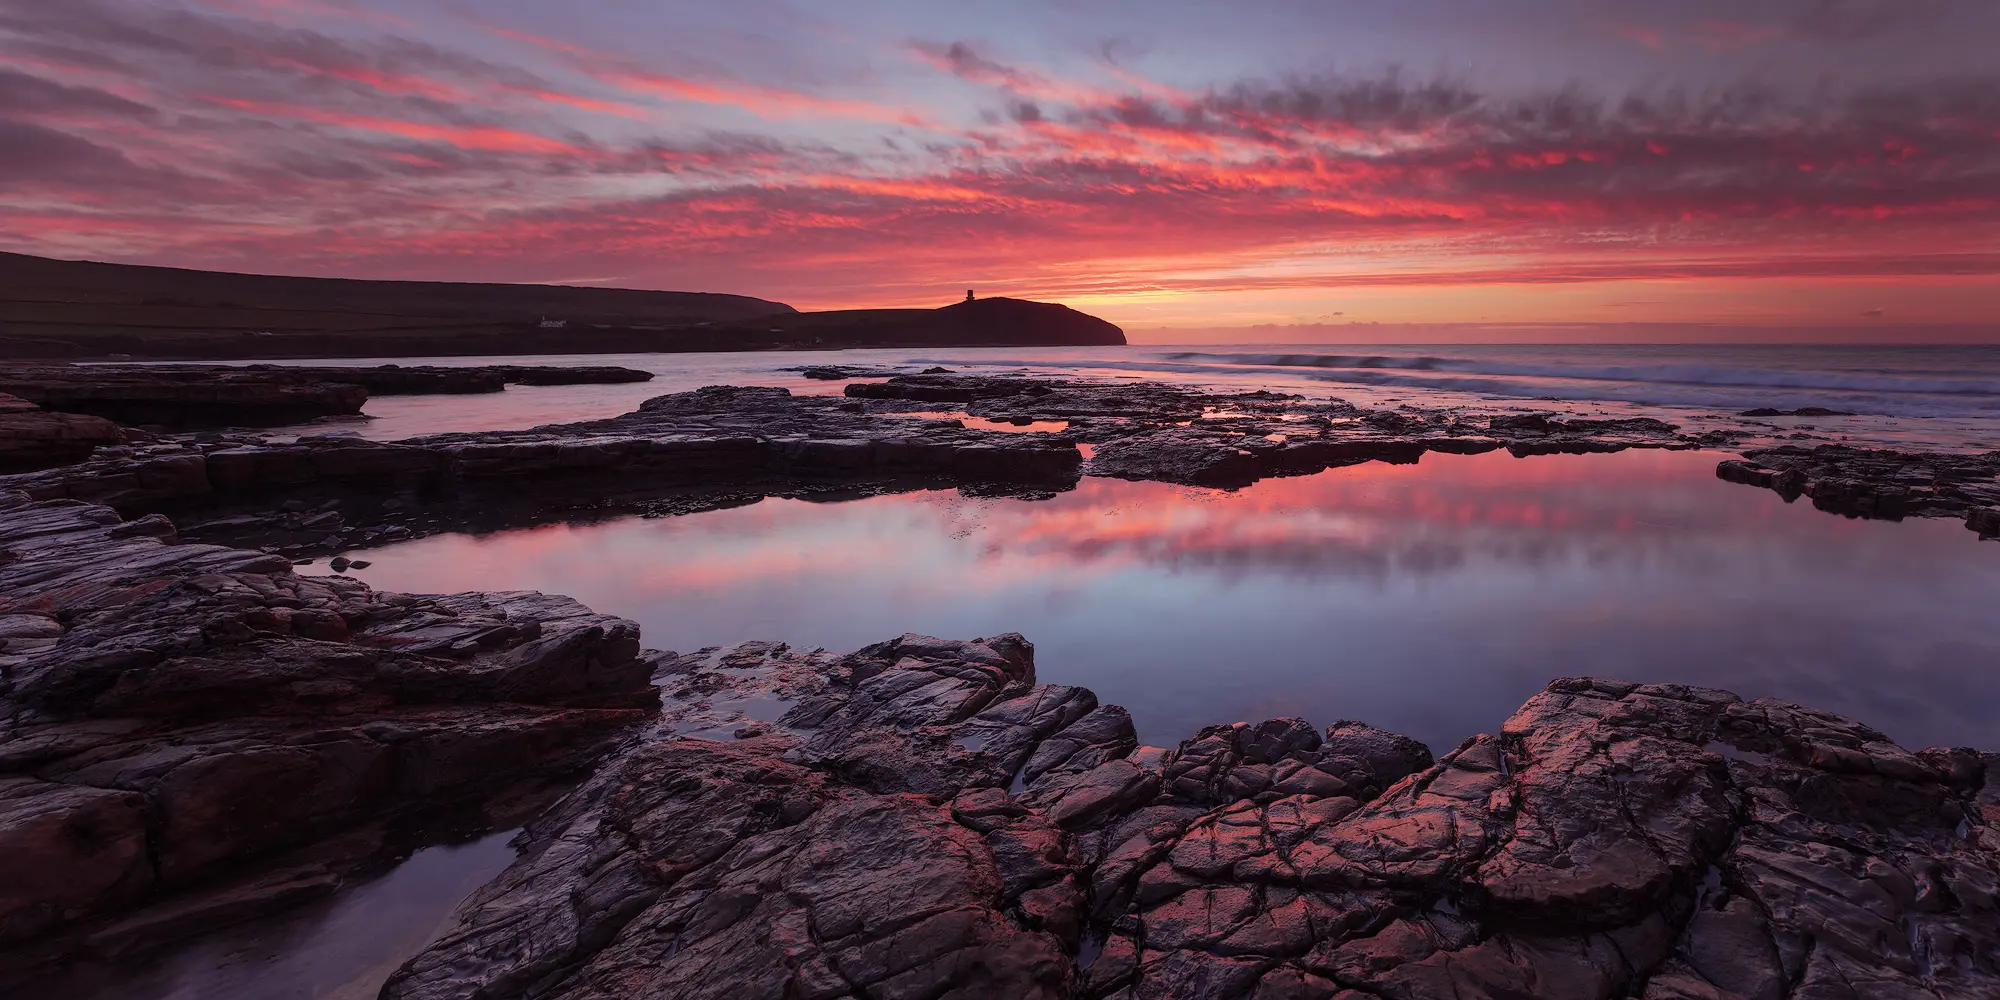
x: 1430, y: 599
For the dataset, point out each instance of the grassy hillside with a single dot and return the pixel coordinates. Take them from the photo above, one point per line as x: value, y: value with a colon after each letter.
x: 59, y: 308
x: 55, y: 309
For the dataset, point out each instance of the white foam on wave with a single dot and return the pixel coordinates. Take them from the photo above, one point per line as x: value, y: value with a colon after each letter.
x: 1727, y: 398
x: 1672, y: 373
x: 1838, y: 382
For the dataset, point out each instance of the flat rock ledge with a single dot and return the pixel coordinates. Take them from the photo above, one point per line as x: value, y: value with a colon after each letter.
x: 183, y: 396
x: 328, y: 492
x: 1879, y: 483
x: 193, y: 735
x: 1165, y: 433
x: 723, y: 444
x: 31, y: 438
x: 922, y: 819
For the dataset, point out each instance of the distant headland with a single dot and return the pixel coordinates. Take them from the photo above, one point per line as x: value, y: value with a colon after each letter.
x: 83, y: 310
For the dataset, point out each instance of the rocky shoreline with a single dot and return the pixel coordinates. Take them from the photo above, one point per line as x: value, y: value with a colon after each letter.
x: 724, y: 445
x: 195, y: 735
x: 32, y: 438
x: 194, y: 396
x: 926, y: 820
x: 1861, y: 482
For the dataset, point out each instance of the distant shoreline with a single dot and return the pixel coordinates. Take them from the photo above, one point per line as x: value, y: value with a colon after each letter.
x: 288, y: 353
x: 57, y: 310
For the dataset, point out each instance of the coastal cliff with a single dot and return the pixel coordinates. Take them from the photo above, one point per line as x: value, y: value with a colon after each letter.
x: 56, y: 309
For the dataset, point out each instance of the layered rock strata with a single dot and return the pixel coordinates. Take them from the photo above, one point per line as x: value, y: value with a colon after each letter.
x: 31, y: 438
x: 195, y: 734
x: 727, y: 436
x: 921, y: 819
x: 190, y: 734
x: 184, y: 396
x: 724, y: 445
x: 1878, y: 483
x: 181, y: 398
x: 1165, y: 433
x: 333, y: 491
x: 419, y: 380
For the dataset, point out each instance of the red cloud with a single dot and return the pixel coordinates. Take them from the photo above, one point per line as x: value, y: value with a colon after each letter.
x: 491, y: 138
x: 391, y: 156
x: 771, y: 102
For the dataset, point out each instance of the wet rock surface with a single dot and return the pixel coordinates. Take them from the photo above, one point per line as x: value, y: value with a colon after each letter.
x: 32, y: 438
x: 723, y: 446
x: 1803, y: 411
x: 173, y: 396
x: 183, y: 396
x: 191, y: 735
x: 922, y: 819
x: 841, y: 373
x: 1164, y: 433
x: 417, y: 380
x: 1879, y: 483
x: 698, y: 449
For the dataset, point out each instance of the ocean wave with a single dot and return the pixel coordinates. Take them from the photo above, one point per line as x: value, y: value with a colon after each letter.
x: 1717, y: 397
x: 1669, y: 373
x: 1713, y: 385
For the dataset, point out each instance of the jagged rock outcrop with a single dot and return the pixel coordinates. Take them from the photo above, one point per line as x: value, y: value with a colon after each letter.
x: 31, y: 438
x: 1878, y: 483
x: 922, y: 819
x: 192, y: 734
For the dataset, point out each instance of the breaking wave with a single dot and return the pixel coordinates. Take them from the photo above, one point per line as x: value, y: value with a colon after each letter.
x: 1669, y: 374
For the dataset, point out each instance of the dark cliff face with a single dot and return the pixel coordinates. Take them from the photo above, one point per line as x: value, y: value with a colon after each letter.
x: 58, y: 309
x: 169, y: 292
x: 995, y: 322
x: 83, y: 309
x: 1018, y: 321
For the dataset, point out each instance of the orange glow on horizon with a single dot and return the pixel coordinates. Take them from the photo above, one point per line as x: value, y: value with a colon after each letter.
x: 1165, y: 196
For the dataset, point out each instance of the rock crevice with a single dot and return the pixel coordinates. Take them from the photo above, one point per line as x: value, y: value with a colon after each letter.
x: 1613, y: 840
x: 192, y: 734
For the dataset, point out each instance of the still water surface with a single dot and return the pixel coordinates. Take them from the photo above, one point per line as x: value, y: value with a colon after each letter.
x: 341, y: 948
x: 1430, y: 599
x: 1930, y: 397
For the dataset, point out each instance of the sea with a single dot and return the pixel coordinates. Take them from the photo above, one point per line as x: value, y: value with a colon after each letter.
x: 1430, y: 599
x: 1916, y: 396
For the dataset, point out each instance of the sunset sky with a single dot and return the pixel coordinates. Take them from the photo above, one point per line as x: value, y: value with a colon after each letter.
x: 1165, y: 163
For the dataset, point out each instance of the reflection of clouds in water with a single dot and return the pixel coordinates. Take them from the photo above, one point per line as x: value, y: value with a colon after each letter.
x: 1430, y: 599
x: 1378, y: 522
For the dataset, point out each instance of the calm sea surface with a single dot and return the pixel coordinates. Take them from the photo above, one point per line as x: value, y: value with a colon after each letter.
x: 1942, y: 397
x: 1430, y: 599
